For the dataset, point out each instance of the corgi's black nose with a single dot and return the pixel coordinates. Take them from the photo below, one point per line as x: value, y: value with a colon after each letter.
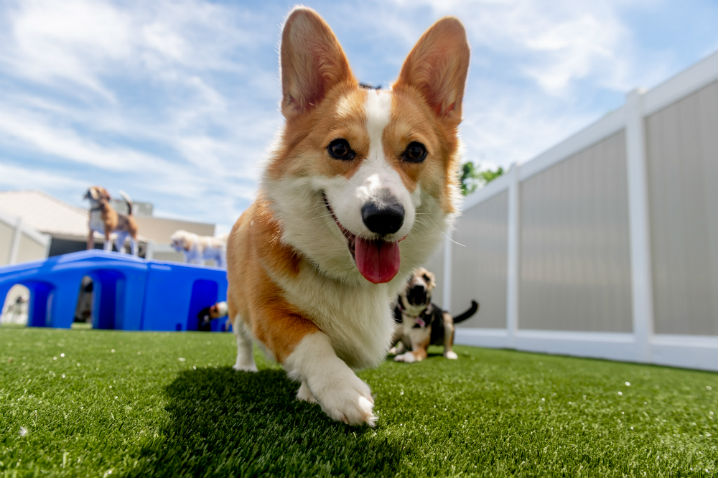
x: 383, y: 219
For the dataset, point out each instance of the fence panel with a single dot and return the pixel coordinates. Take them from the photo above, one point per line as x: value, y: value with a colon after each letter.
x: 574, y: 253
x: 478, y: 262
x: 682, y: 163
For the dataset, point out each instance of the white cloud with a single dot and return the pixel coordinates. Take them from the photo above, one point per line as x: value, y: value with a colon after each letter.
x: 23, y: 129
x: 14, y: 177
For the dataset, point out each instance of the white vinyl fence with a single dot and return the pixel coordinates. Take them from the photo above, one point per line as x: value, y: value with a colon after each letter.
x: 606, y: 245
x: 20, y: 243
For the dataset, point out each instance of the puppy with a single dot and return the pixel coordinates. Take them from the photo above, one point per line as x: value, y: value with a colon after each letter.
x: 421, y: 323
x: 105, y: 220
x: 358, y: 191
x: 197, y: 249
x: 214, y: 311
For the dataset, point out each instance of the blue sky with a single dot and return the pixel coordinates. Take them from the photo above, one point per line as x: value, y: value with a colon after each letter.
x: 176, y: 102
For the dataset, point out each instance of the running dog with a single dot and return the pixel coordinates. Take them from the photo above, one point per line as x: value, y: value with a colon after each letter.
x: 360, y: 188
x: 420, y: 323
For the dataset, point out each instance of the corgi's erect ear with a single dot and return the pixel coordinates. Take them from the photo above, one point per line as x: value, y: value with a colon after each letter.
x: 312, y: 62
x: 437, y: 67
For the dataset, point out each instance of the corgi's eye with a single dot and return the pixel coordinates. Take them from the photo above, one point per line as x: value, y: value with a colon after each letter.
x: 414, y: 153
x: 339, y: 149
x: 426, y: 278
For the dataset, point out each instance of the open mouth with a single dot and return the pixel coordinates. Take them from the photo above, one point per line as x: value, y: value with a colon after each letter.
x: 377, y: 260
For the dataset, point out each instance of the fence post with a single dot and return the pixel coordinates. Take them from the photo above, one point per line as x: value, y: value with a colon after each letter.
x: 639, y: 226
x: 513, y: 267
x: 149, y: 250
x: 446, y: 291
x: 15, y: 244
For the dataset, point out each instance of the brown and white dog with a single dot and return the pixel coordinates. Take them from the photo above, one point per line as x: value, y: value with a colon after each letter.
x: 197, y: 249
x: 420, y: 322
x: 207, y: 314
x: 358, y: 191
x: 105, y: 220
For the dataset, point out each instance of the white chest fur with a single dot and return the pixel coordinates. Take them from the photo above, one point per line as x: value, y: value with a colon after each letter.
x: 357, y: 320
x: 96, y: 223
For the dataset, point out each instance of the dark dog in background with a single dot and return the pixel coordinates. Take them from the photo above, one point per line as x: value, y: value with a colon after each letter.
x: 420, y: 323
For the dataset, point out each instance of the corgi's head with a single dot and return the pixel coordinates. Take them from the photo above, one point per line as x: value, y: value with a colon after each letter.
x: 364, y: 181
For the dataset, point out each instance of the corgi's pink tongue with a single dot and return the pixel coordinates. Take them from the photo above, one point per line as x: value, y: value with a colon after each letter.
x: 378, y: 261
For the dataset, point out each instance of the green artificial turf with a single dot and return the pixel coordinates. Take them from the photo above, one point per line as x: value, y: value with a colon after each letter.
x: 105, y: 403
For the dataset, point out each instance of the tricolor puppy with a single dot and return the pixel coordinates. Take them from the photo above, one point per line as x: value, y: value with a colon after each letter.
x: 197, y: 249
x: 207, y: 314
x: 358, y: 191
x: 421, y: 323
x: 105, y: 220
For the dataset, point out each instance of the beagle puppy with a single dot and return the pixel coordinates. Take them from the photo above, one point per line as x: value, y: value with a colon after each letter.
x: 105, y: 220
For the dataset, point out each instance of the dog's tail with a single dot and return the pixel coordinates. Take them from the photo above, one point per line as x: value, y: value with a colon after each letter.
x: 128, y: 201
x: 468, y: 313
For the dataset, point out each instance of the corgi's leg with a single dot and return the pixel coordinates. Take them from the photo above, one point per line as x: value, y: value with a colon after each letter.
x: 337, y: 389
x: 133, y: 246
x: 449, y: 332
x: 245, y: 355
x: 108, y: 242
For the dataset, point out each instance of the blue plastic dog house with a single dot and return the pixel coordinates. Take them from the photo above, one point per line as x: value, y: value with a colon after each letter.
x: 129, y: 293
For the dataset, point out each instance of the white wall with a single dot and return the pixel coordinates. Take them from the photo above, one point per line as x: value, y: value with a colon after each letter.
x: 20, y: 243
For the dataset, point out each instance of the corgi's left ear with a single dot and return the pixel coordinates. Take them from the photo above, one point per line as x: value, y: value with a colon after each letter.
x: 437, y: 68
x: 312, y: 62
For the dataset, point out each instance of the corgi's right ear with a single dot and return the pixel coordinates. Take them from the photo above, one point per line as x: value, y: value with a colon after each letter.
x: 312, y: 62
x: 437, y: 68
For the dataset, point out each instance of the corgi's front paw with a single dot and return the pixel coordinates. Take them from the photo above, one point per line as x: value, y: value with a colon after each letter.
x: 245, y: 367
x: 347, y: 399
x: 304, y: 394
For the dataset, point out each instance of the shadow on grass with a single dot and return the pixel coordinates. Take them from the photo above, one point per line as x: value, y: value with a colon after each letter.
x: 227, y: 423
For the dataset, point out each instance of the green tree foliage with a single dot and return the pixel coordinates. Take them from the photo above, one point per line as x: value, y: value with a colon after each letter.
x: 473, y: 178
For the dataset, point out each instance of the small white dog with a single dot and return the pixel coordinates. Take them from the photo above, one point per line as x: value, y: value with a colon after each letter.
x: 197, y: 249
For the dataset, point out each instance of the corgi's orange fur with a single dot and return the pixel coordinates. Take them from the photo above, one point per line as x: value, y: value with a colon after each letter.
x: 359, y: 191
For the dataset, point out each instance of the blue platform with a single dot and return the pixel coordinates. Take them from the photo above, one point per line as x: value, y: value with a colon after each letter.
x: 129, y: 293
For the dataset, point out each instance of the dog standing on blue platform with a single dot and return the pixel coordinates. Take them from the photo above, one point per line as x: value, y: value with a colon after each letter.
x: 420, y: 323
x: 105, y: 220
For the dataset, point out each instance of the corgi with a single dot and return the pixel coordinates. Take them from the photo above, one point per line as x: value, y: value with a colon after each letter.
x: 358, y: 191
